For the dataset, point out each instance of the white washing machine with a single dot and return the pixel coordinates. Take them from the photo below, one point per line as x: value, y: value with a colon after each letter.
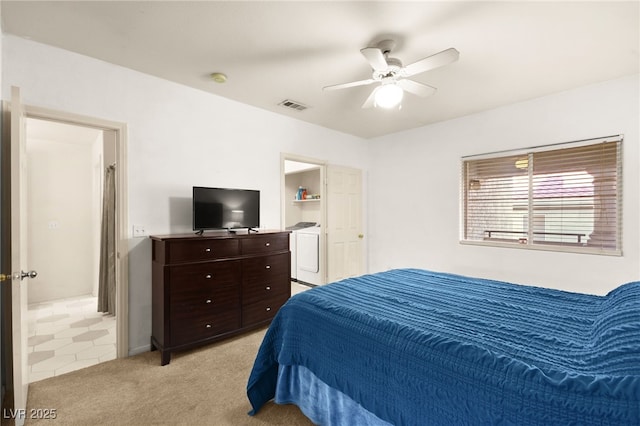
x: 308, y: 255
x: 293, y: 245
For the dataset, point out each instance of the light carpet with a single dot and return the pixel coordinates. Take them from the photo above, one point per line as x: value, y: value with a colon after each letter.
x: 204, y: 386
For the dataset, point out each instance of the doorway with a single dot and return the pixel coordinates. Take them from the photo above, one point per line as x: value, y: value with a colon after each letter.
x: 68, y: 148
x: 338, y: 209
x: 64, y: 198
x: 14, y: 250
x: 305, y: 216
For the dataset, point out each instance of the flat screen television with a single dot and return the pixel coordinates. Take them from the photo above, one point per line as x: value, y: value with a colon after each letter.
x: 225, y: 208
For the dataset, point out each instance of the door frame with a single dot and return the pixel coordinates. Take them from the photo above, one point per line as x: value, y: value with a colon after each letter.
x: 122, y: 236
x: 322, y: 164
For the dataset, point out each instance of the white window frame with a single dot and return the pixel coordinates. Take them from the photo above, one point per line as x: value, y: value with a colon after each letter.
x: 529, y: 243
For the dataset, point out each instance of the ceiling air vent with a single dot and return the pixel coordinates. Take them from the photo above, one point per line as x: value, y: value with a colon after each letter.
x: 287, y: 103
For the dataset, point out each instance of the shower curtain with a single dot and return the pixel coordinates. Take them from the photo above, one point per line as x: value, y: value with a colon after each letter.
x: 107, y: 281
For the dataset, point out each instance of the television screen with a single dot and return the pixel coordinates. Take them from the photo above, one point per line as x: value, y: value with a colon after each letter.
x: 224, y: 208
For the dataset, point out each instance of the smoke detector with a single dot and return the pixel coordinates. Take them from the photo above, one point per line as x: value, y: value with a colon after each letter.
x: 218, y: 77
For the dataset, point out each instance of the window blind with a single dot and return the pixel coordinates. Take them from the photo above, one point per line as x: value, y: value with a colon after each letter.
x: 565, y: 197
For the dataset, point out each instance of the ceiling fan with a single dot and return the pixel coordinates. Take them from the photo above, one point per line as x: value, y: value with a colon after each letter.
x: 391, y: 75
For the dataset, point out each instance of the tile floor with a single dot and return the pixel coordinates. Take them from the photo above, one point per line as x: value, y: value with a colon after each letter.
x: 68, y: 334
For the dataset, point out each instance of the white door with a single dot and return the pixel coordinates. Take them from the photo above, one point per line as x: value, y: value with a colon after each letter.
x: 344, y: 223
x: 19, y: 257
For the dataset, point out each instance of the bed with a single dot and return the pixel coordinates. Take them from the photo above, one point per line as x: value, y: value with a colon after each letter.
x: 415, y: 347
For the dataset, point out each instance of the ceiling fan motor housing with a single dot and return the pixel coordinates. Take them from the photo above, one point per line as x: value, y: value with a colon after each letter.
x: 393, y: 69
x: 386, y: 46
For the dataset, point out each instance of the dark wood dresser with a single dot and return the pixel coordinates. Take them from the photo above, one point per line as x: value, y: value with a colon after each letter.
x: 209, y: 287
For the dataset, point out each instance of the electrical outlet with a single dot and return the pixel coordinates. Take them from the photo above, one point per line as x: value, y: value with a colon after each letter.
x: 139, y: 231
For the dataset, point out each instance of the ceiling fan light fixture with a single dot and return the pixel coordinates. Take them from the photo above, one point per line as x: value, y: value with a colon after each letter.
x: 388, y: 95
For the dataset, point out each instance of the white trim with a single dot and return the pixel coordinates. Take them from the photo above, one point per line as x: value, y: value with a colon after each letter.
x: 139, y: 350
x: 543, y: 247
x: 540, y: 148
x: 122, y: 217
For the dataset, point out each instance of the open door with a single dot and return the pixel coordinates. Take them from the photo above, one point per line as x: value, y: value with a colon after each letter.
x: 344, y: 223
x: 19, y: 324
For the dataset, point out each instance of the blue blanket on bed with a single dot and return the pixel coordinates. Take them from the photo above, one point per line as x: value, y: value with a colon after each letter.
x: 416, y: 347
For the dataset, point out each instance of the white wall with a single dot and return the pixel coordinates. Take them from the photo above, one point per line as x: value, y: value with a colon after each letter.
x: 178, y: 137
x: 61, y: 214
x: 418, y: 173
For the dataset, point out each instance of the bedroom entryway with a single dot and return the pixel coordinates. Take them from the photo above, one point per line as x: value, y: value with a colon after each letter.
x: 16, y: 217
x: 68, y: 168
x: 77, y: 309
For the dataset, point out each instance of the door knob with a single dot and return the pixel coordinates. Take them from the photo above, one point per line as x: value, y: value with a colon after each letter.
x: 5, y: 277
x: 30, y: 274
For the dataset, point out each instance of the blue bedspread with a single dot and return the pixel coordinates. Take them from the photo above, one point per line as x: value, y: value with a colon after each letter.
x: 416, y: 347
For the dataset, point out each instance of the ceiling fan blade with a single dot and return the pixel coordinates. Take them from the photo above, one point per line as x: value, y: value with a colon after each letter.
x: 352, y: 84
x: 430, y: 62
x: 419, y: 89
x: 375, y: 58
x: 370, y: 102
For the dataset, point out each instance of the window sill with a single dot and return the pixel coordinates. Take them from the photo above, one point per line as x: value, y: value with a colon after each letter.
x: 543, y: 247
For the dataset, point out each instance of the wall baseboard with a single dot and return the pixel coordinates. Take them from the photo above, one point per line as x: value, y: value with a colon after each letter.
x: 139, y: 350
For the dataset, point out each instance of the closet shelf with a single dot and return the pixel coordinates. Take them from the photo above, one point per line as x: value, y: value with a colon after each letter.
x: 310, y: 200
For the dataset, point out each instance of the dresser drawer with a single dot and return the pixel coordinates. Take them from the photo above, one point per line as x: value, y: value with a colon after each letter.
x: 195, y: 277
x: 267, y: 243
x: 206, y: 249
x: 194, y: 326
x: 275, y: 282
x: 263, y: 269
x: 206, y: 298
x: 262, y: 310
x: 266, y: 290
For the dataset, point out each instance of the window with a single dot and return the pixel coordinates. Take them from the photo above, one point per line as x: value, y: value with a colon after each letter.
x: 562, y: 197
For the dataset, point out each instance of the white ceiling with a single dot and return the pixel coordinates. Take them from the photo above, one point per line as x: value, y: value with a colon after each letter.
x: 271, y: 51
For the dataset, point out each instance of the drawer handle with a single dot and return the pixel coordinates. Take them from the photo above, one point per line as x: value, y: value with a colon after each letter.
x: 208, y: 325
x: 208, y: 250
x: 209, y: 301
x: 268, y: 309
x: 268, y: 287
x: 267, y: 244
x: 208, y: 276
x: 268, y: 267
